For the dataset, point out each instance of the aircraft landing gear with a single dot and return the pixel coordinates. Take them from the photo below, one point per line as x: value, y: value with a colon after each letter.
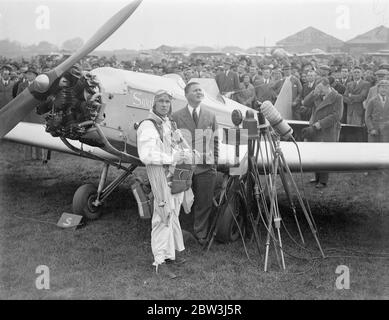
x: 88, y: 199
x: 84, y: 201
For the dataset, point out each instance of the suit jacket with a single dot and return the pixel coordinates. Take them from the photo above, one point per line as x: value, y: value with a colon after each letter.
x: 307, y: 90
x: 227, y: 83
x: 373, y: 91
x: 22, y: 85
x: 358, y: 93
x: 377, y: 114
x: 5, y: 92
x: 265, y: 91
x: 328, y: 113
x: 203, y: 140
x: 245, y: 95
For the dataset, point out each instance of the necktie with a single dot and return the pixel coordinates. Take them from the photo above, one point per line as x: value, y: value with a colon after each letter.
x: 195, y: 117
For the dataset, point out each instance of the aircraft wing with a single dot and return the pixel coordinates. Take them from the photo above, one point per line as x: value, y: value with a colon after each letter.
x: 315, y: 156
x: 34, y: 134
x: 320, y: 156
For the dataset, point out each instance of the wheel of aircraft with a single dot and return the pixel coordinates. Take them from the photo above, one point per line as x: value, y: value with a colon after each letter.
x: 227, y: 229
x: 230, y: 213
x: 85, y: 204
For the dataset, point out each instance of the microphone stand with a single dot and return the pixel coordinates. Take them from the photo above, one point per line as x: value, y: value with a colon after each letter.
x: 278, y: 165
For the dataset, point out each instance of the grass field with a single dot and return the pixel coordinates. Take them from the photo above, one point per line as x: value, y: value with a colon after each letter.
x: 111, y: 258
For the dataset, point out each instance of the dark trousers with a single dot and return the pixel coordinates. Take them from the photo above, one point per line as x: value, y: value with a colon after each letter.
x: 322, y: 177
x: 203, y: 188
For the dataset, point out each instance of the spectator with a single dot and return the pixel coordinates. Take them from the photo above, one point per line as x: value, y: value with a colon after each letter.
x: 307, y: 88
x: 227, y: 80
x: 255, y: 78
x: 341, y: 88
x: 246, y: 94
x: 324, y: 70
x: 381, y: 74
x: 264, y: 88
x: 356, y: 92
x: 324, y: 125
x: 296, y: 91
x: 6, y: 86
x: 377, y: 114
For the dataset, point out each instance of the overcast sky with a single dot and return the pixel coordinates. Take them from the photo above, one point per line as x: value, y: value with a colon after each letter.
x: 216, y: 23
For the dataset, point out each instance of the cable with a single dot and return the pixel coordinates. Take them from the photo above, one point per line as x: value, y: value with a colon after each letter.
x: 240, y: 231
x: 302, y: 183
x: 35, y: 220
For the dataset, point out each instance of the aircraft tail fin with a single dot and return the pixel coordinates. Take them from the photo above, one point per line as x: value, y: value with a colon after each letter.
x: 284, y: 100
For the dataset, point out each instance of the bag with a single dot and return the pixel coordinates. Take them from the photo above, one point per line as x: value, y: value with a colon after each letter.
x: 145, y: 201
x: 182, y: 178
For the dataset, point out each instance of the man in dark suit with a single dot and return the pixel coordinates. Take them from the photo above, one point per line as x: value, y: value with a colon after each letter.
x: 377, y: 114
x: 227, y: 80
x: 307, y: 88
x: 381, y: 74
x: 199, y: 126
x: 296, y: 90
x: 356, y: 92
x: 6, y: 86
x: 264, y: 90
x: 341, y: 86
x: 327, y: 108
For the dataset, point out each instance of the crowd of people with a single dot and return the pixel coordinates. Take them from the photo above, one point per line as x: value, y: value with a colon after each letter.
x: 246, y: 79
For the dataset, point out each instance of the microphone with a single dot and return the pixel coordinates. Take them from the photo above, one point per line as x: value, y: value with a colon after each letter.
x: 276, y: 121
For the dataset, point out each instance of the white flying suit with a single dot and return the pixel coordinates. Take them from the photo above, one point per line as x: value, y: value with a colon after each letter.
x: 157, y: 155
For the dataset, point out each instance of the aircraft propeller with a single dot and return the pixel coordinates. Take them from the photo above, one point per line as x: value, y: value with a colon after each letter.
x: 17, y: 109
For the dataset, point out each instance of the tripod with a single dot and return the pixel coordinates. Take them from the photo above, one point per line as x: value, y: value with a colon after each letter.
x: 279, y: 166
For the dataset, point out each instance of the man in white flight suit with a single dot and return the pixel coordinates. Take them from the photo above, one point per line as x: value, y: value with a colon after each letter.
x: 160, y: 152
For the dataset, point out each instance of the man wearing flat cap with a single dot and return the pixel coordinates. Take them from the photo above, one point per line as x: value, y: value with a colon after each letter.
x: 356, y: 92
x: 381, y: 74
x: 6, y: 85
x: 377, y: 114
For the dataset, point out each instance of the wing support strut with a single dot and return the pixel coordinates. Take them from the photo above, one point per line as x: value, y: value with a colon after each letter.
x: 89, y: 155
